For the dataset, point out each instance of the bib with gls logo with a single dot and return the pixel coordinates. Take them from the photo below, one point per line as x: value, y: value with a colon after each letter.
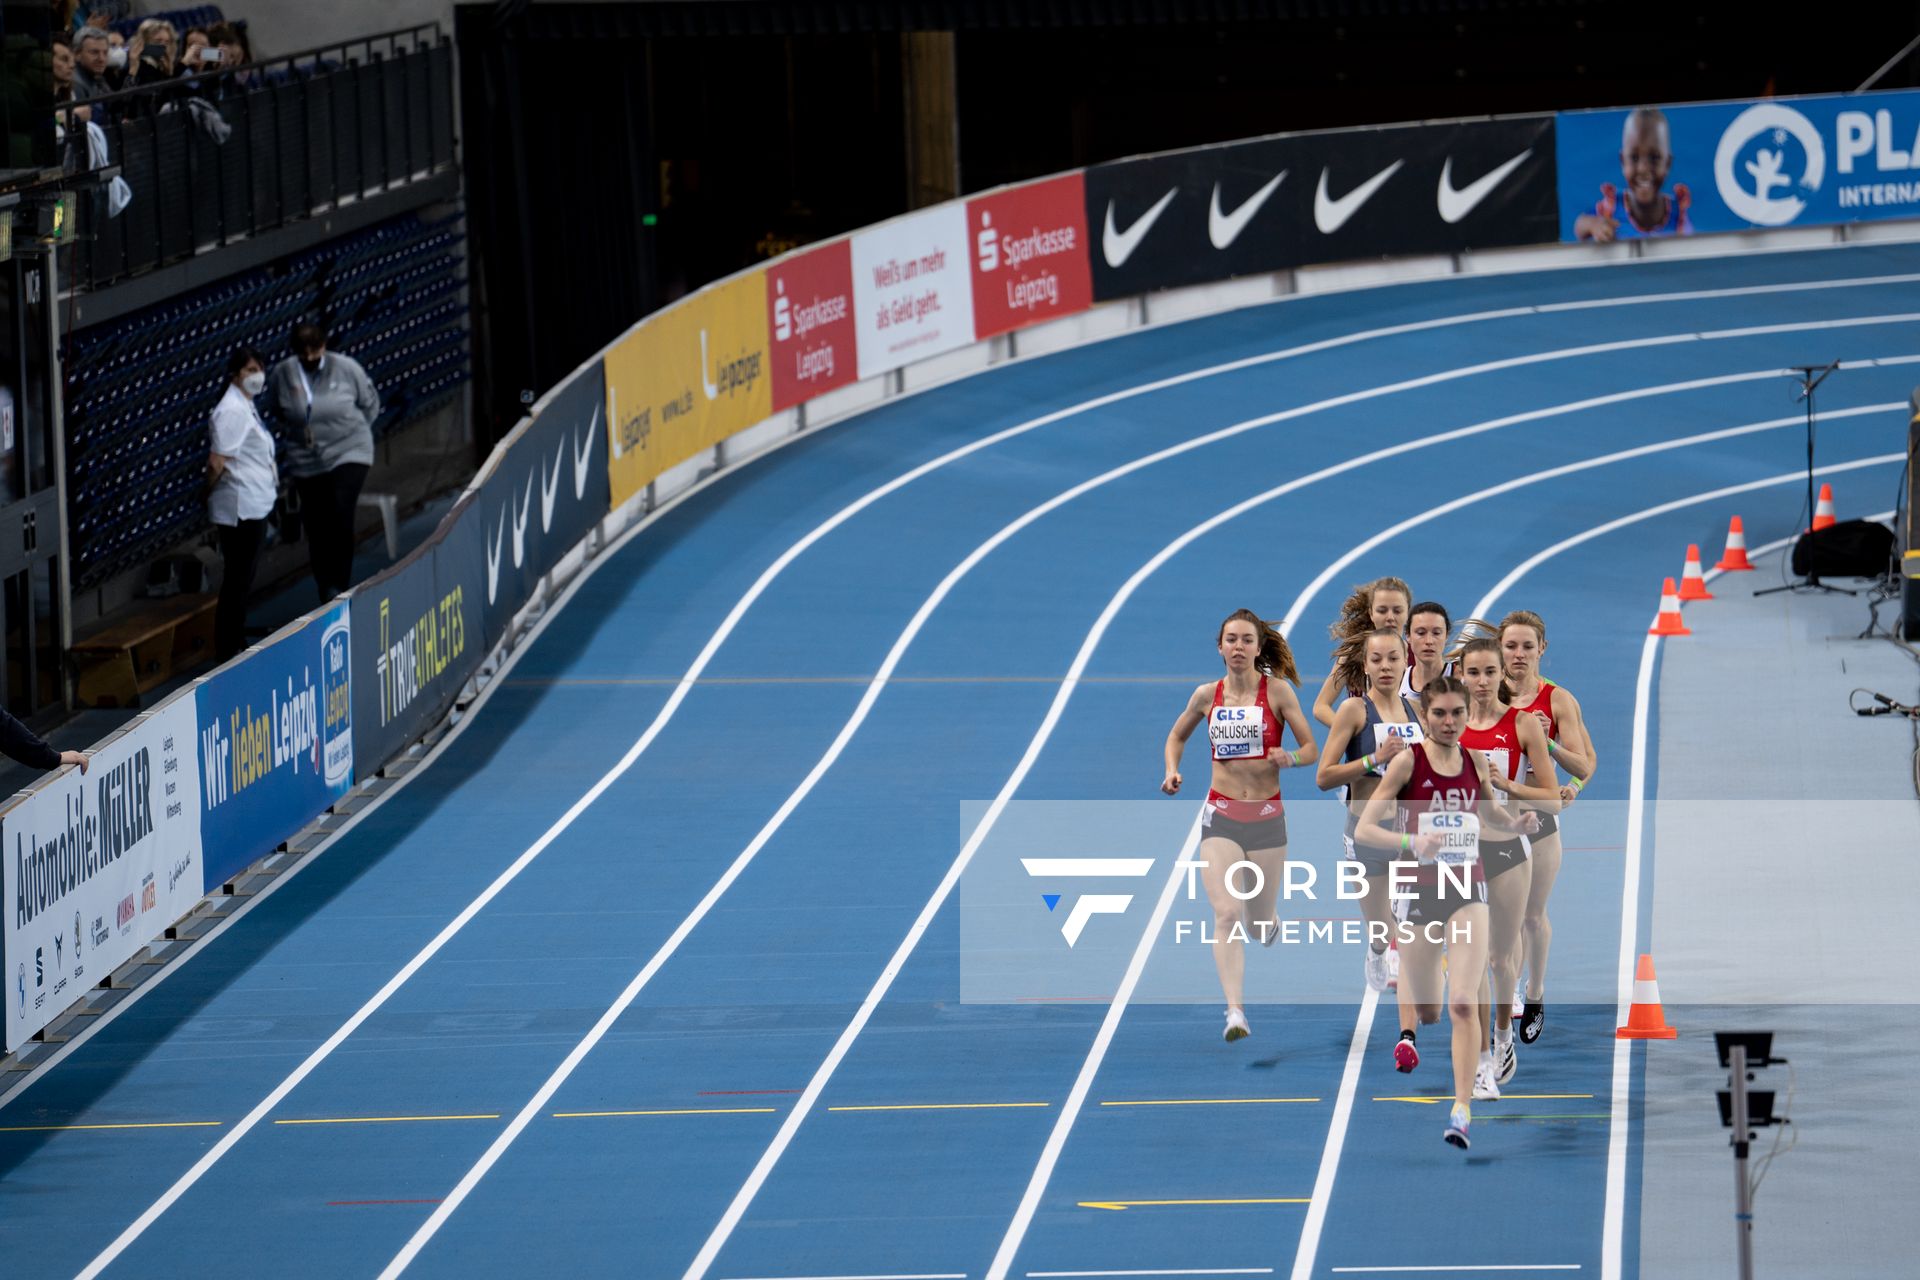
x: 1237, y: 733
x: 1459, y: 837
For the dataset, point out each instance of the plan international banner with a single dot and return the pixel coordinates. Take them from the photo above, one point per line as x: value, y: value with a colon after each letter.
x: 1733, y: 166
x: 97, y: 864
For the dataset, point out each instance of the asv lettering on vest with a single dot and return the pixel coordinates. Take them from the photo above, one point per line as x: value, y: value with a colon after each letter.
x: 1236, y: 733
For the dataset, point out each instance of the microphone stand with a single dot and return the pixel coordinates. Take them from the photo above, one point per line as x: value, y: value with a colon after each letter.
x: 1811, y: 376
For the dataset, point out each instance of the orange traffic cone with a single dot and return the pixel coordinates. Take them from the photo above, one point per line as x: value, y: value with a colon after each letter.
x: 1667, y: 622
x: 1693, y: 583
x: 1734, y: 558
x: 1646, y: 1020
x: 1823, y: 510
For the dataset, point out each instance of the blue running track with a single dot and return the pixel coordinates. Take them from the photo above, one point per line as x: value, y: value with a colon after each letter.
x: 170, y: 1142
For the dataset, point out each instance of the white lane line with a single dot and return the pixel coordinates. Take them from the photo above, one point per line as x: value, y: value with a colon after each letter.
x: 1063, y: 1125
x: 1316, y: 1218
x: 1433, y: 513
x: 511, y: 1133
x: 760, y: 585
x: 1616, y: 1165
x: 1613, y: 1222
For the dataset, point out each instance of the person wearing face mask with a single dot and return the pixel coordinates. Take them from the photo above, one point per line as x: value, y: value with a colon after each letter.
x: 244, y: 482
x: 329, y: 405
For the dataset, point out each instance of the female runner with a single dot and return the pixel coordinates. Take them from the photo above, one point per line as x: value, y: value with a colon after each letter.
x: 1442, y: 796
x: 1244, y: 819
x: 1380, y: 605
x: 1523, y: 647
x: 1515, y: 749
x: 1368, y: 732
x: 1428, y: 627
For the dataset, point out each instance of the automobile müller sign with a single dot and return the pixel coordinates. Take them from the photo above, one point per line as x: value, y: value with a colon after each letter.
x: 1733, y: 166
x: 98, y: 864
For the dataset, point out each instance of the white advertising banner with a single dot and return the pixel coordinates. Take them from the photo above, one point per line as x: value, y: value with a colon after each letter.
x: 98, y: 864
x: 912, y: 288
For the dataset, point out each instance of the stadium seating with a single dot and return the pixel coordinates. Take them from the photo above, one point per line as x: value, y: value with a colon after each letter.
x: 139, y: 390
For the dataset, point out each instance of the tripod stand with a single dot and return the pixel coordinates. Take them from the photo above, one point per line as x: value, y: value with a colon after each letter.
x: 1811, y: 376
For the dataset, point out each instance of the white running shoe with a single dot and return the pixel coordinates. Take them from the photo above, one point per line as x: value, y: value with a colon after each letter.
x: 1393, y: 968
x: 1519, y: 1001
x: 1458, y: 1121
x: 1379, y: 969
x: 1237, y: 1028
x: 1485, y: 1089
x: 1506, y: 1060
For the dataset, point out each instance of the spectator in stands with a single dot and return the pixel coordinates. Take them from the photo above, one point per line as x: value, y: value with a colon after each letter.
x: 191, y: 44
x: 233, y: 53
x: 26, y: 746
x: 62, y: 70
x: 244, y: 483
x: 152, y: 54
x: 90, y: 79
x: 329, y: 405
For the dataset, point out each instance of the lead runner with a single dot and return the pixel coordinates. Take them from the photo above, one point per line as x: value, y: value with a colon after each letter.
x: 1244, y: 819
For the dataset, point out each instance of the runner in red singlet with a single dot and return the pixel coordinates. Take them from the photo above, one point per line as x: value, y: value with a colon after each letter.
x: 1523, y: 647
x: 1441, y: 797
x: 1244, y: 819
x: 1515, y: 749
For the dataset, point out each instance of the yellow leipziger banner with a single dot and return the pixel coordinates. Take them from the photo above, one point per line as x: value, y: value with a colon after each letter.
x: 685, y: 380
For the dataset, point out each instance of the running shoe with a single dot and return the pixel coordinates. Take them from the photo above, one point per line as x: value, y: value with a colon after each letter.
x: 1532, y: 1018
x: 1406, y: 1056
x: 1393, y: 967
x: 1237, y: 1028
x: 1457, y: 1122
x: 1519, y: 1003
x: 1505, y: 1060
x: 1485, y: 1088
x: 1378, y: 969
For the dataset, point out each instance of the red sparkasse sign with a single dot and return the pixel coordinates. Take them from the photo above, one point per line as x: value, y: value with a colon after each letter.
x: 810, y: 329
x: 1029, y: 254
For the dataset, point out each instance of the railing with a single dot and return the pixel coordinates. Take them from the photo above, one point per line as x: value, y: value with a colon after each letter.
x: 213, y: 158
x: 754, y: 359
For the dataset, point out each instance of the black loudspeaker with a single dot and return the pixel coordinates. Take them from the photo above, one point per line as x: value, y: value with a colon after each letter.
x: 1849, y: 549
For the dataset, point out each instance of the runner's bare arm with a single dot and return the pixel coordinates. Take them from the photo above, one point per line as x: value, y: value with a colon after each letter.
x: 1189, y: 720
x: 1285, y: 703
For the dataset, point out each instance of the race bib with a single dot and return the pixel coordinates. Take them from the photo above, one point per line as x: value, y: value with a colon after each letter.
x: 1237, y: 733
x: 1459, y: 837
x: 1408, y: 733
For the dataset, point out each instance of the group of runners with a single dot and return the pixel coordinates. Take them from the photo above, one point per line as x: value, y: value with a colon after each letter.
x: 1449, y: 745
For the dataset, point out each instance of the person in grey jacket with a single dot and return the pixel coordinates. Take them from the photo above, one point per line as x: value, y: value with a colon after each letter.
x: 328, y: 404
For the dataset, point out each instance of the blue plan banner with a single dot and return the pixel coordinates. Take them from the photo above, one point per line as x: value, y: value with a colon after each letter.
x: 547, y: 490
x: 275, y: 741
x: 1733, y: 166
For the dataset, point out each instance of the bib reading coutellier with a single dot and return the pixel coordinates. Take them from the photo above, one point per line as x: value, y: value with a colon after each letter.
x: 1236, y: 733
x: 1459, y: 837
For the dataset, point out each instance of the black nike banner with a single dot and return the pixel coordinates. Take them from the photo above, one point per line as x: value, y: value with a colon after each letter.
x: 1190, y: 217
x: 547, y: 487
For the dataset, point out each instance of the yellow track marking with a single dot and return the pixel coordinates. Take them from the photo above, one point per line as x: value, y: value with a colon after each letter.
x: 152, y: 1124
x: 1505, y: 1097
x: 386, y: 1119
x: 943, y: 1106
x: 681, y: 1111
x: 1133, y: 1204
x: 1201, y: 1102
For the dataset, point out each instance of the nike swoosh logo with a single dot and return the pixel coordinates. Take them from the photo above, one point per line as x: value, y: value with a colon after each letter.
x: 548, y: 488
x: 1331, y: 215
x: 580, y: 457
x: 713, y: 392
x: 1455, y: 205
x: 1119, y: 245
x: 1224, y: 228
x: 520, y: 522
x: 493, y: 557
